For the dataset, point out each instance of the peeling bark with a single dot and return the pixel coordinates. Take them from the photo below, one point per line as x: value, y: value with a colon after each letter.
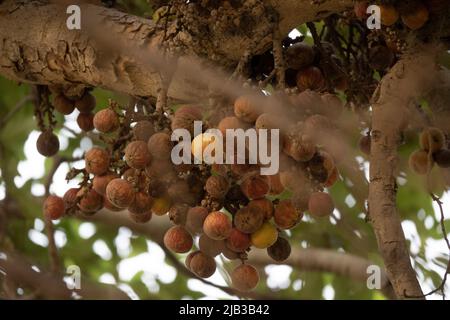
x: 411, y: 78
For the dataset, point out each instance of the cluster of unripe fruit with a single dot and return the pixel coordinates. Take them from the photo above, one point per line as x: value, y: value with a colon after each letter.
x: 433, y: 149
x: 414, y: 14
x: 48, y: 143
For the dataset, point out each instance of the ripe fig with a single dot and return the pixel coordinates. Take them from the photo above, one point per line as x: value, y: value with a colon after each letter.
x: 99, y: 183
x: 202, y: 265
x: 245, y: 277
x: 417, y: 18
x: 143, y: 130
x: 380, y: 57
x: 63, y: 105
x: 142, y: 203
x: 160, y: 146
x: 86, y: 103
x: 265, y: 206
x: 106, y: 121
x: 137, y: 155
x: 299, y: 56
x: 389, y: 15
x: 70, y: 198
x: 265, y: 236
x: 97, y: 161
x: 248, y: 219
x: 86, y: 121
x: 238, y: 241
x: 184, y: 118
x: 245, y: 108
x: 210, y: 246
x: 161, y: 205
x: 195, y: 219
x: 217, y: 186
x: 286, y: 215
x: 120, y: 193
x: 53, y: 207
x: 280, y: 250
x: 90, y: 201
x: 178, y: 213
x: 47, y: 143
x: 310, y: 78
x: 255, y: 186
x: 178, y: 239
x: 231, y: 123
x: 320, y: 204
x: 217, y: 225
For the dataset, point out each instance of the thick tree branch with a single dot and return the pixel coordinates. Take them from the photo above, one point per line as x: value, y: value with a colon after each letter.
x: 48, y: 53
x: 411, y: 78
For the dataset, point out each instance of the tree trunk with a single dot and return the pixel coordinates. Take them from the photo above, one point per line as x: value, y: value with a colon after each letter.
x: 409, y: 79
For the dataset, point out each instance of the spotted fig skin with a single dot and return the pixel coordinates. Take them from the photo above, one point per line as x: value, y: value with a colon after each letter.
x: 97, y: 161
x: 120, y: 193
x: 178, y: 239
x: 217, y: 225
x: 137, y: 155
x: 53, y: 207
x: 245, y: 277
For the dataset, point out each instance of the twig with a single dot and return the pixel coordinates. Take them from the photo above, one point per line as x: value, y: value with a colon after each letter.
x: 278, y: 57
x: 441, y: 287
x: 22, y: 102
x: 51, y: 285
x: 49, y: 228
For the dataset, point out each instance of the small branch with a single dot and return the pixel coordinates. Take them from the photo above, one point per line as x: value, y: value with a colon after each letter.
x: 51, y: 285
x: 49, y: 228
x: 441, y: 287
x: 22, y: 102
x: 278, y: 58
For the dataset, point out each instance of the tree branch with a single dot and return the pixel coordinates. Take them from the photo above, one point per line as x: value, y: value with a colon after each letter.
x: 50, y: 285
x: 49, y: 53
x: 325, y: 260
x: 409, y: 79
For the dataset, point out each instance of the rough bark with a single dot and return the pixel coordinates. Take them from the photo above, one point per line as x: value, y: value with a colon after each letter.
x: 411, y: 78
x: 36, y: 46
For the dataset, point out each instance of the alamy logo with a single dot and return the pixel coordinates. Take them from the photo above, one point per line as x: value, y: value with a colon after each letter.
x: 73, y: 22
x: 74, y: 277
x: 249, y: 146
x: 374, y: 278
x: 374, y: 20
